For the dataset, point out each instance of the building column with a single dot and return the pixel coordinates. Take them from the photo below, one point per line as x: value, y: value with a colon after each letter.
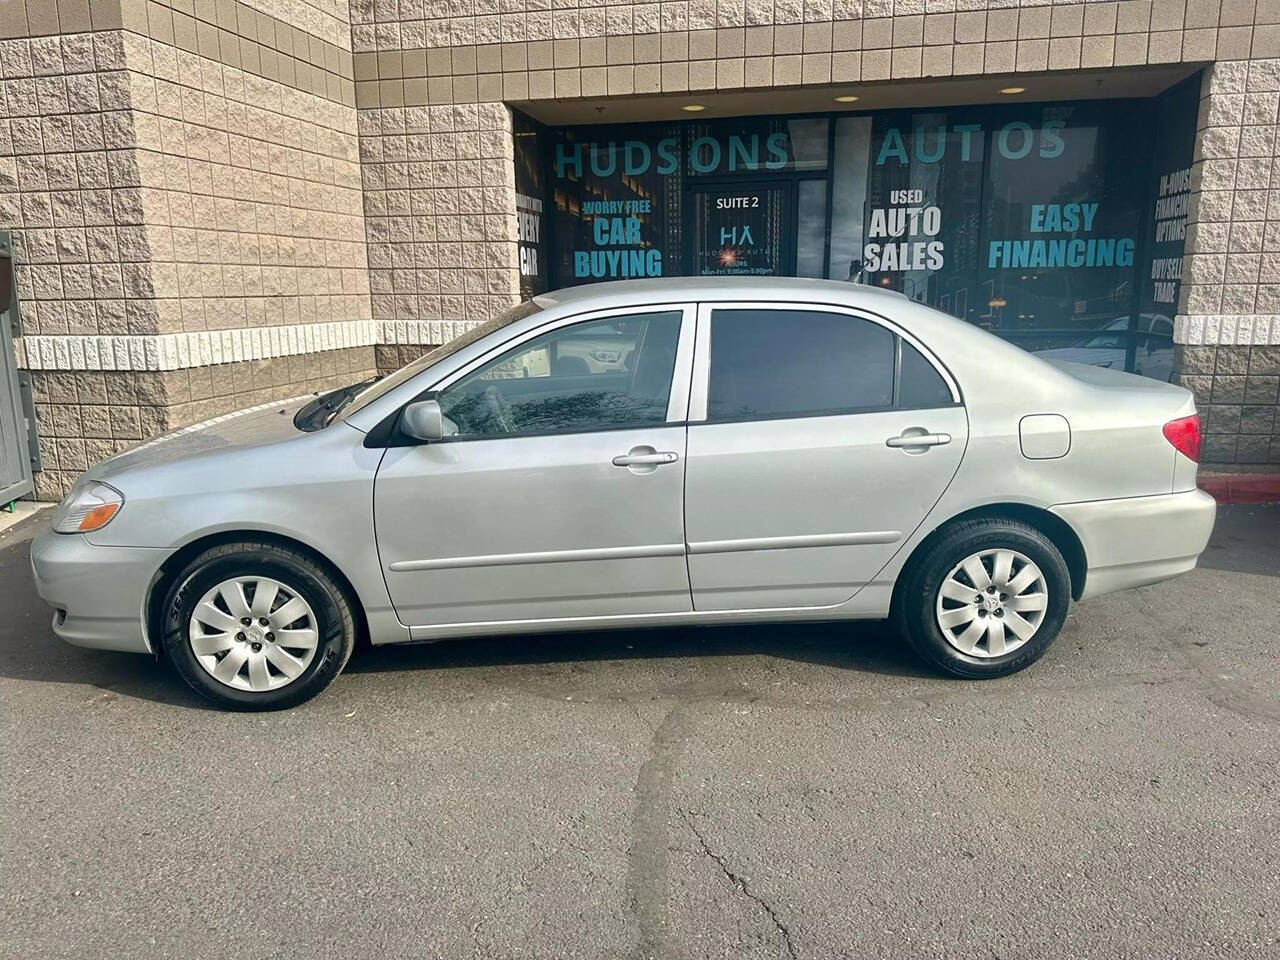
x: 439, y: 194
x: 1228, y: 324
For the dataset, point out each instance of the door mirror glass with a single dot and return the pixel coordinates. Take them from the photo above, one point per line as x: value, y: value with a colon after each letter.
x: 422, y: 420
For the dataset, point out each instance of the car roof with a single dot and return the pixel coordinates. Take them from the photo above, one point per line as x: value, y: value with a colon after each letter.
x: 743, y: 288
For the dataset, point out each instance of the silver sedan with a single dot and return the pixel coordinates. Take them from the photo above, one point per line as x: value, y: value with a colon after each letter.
x: 684, y: 451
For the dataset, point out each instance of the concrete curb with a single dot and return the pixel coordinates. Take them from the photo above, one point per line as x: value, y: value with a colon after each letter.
x: 1242, y: 487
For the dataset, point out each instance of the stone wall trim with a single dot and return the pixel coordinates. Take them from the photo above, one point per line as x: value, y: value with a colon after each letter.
x: 177, y: 351
x: 1251, y: 329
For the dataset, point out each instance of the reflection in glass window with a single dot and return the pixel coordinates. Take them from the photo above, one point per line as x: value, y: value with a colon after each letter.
x: 848, y: 197
x: 809, y: 142
x: 1061, y: 221
x: 785, y: 363
x: 924, y: 202
x: 811, y: 237
x: 599, y: 375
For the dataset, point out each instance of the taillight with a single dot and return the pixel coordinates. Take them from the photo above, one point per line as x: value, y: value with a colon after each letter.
x: 1184, y: 434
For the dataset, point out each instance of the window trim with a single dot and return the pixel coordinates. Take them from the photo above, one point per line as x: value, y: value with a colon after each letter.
x: 701, y: 379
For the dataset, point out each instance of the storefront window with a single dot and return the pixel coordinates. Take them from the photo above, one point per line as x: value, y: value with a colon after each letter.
x: 1061, y: 223
x: 811, y: 229
x: 616, y: 194
x: 851, y: 155
x: 923, y: 207
x: 1058, y: 226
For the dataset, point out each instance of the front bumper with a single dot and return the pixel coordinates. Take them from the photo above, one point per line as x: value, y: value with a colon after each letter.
x: 97, y: 593
x: 1139, y: 540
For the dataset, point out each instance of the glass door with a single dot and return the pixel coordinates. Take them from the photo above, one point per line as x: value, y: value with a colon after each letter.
x: 742, y: 229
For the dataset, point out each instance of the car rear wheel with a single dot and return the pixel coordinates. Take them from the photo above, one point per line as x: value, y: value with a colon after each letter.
x: 257, y: 626
x: 985, y: 598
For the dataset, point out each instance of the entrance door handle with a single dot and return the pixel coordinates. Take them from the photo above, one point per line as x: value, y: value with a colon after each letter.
x: 918, y: 440
x: 645, y: 459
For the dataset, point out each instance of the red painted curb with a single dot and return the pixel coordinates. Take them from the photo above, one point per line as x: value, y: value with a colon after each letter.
x: 1242, y: 487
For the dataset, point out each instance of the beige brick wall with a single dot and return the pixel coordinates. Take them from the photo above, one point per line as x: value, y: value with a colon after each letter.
x: 483, y: 50
x: 440, y: 215
x: 250, y: 193
x: 1231, y: 272
x: 86, y: 416
x: 191, y: 167
x: 69, y: 183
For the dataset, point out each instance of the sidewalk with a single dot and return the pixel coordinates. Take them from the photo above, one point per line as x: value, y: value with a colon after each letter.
x: 21, y: 510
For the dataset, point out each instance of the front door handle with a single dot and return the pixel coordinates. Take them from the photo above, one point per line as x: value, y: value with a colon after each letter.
x: 918, y: 440
x: 646, y: 459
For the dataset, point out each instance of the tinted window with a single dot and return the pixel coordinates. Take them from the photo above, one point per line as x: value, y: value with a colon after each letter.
x: 771, y: 363
x: 920, y: 384
x: 597, y: 375
x: 412, y: 369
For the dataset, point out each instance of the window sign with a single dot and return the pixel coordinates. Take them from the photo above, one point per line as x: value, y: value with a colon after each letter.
x: 1062, y: 214
x: 617, y: 203
x: 1059, y: 226
x: 1151, y: 350
x: 922, y: 213
x: 530, y: 220
x: 741, y: 231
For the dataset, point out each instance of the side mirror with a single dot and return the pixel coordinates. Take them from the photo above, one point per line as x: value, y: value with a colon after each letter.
x: 423, y: 420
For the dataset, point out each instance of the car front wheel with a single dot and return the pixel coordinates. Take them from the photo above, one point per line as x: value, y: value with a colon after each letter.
x: 985, y: 599
x: 257, y: 626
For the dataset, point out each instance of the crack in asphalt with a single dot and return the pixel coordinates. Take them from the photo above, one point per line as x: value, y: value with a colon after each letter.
x: 740, y: 884
x: 648, y: 856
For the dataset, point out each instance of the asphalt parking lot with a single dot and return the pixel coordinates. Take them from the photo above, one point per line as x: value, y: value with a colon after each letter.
x: 765, y: 792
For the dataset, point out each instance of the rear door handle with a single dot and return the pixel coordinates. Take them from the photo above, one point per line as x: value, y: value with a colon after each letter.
x: 919, y: 440
x: 645, y: 459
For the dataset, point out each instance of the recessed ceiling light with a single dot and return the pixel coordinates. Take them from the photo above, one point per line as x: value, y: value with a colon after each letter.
x: 1012, y: 90
x: 846, y: 98
x: 693, y: 107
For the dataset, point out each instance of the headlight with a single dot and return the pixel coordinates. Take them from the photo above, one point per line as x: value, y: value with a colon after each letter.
x: 88, y: 509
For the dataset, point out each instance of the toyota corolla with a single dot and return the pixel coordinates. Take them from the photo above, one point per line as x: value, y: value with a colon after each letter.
x: 665, y: 452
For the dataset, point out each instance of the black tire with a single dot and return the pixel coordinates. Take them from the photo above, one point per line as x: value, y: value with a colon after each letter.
x: 915, y: 604
x: 335, y: 624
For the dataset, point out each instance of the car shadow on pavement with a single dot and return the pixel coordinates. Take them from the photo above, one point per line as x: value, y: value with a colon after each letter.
x: 869, y: 646
x: 1246, y: 539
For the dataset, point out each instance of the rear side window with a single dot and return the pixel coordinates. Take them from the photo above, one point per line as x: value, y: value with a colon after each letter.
x: 786, y: 363
x: 919, y: 383
x: 790, y: 363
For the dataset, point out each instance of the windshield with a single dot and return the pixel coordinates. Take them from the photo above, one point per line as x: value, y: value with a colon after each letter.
x: 410, y: 370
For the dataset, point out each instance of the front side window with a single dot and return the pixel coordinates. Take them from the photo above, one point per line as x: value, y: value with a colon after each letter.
x: 385, y: 385
x: 597, y: 375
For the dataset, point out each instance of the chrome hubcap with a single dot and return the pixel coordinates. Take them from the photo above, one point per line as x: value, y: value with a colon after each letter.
x: 253, y: 633
x: 991, y: 603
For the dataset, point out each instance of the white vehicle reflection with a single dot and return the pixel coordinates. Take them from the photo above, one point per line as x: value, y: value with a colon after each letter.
x: 1153, y: 355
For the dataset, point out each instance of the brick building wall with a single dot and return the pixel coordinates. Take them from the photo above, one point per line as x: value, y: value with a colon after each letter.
x: 184, y: 191
x: 212, y: 186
